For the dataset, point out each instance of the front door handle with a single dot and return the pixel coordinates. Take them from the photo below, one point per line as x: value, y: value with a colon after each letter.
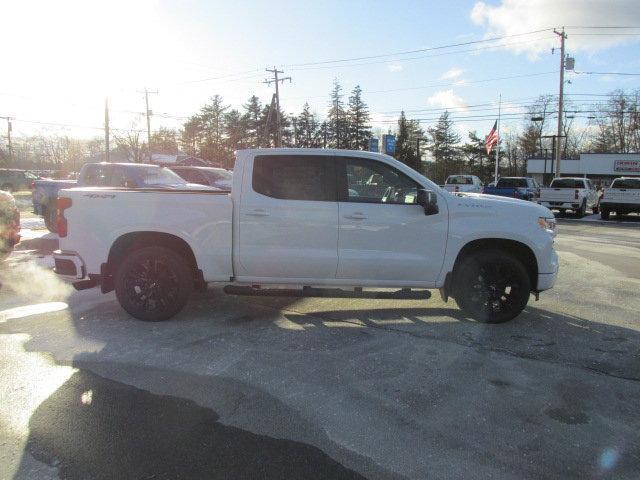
x: 356, y: 216
x: 258, y: 212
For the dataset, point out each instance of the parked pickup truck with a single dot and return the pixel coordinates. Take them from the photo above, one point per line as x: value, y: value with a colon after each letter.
x: 130, y: 175
x: 525, y: 188
x: 622, y: 197
x: 463, y: 183
x: 577, y: 194
x: 308, y: 218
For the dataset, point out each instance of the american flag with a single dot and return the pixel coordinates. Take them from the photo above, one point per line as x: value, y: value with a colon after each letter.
x: 492, y: 139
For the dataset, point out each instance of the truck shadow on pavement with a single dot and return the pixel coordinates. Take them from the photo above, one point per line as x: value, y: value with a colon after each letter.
x: 93, y: 427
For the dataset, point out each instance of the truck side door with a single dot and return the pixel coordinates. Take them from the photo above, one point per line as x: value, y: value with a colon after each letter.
x: 384, y: 234
x: 288, y: 218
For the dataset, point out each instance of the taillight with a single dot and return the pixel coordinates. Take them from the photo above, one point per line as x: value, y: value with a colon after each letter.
x: 33, y: 185
x: 61, y: 223
x: 575, y: 195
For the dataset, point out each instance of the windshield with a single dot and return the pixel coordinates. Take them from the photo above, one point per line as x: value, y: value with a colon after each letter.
x: 218, y: 174
x: 153, y: 176
x: 459, y: 180
x: 626, y: 183
x: 567, y: 183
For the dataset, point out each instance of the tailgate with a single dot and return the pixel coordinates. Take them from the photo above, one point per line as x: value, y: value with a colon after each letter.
x: 621, y: 195
x: 557, y: 194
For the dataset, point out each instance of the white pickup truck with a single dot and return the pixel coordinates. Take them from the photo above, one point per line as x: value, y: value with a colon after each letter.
x: 622, y: 197
x: 463, y: 183
x: 307, y: 218
x: 567, y: 193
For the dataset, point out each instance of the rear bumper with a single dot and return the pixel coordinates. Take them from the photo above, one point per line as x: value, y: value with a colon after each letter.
x: 69, y: 265
x: 556, y: 205
x: 629, y: 207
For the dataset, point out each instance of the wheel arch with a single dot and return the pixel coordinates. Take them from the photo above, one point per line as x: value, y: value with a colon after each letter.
x: 129, y: 242
x: 520, y: 250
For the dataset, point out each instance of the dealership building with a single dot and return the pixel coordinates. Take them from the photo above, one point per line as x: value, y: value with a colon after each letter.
x: 601, y: 168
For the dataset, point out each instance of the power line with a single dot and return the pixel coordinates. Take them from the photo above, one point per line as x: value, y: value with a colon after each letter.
x: 378, y: 62
x: 419, y: 50
x: 607, y: 73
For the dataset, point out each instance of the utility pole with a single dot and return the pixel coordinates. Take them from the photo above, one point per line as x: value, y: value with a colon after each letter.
x: 277, y: 80
x: 9, y: 144
x: 148, y: 113
x: 563, y: 37
x: 106, y: 130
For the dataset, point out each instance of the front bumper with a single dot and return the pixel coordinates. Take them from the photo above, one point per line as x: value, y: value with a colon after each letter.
x: 548, y: 280
x: 69, y: 265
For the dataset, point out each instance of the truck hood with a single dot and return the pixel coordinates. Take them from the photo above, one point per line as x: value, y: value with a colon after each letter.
x: 482, y: 201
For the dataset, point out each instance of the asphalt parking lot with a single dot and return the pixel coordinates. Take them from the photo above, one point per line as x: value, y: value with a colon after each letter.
x: 247, y: 387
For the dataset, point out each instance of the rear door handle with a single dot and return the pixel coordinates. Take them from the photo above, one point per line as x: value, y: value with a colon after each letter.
x: 356, y: 216
x: 258, y: 212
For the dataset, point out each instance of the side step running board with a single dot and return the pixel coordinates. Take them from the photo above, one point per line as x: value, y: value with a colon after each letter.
x: 403, y: 294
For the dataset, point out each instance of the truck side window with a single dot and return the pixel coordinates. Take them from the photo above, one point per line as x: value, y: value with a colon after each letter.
x: 295, y: 177
x: 369, y: 181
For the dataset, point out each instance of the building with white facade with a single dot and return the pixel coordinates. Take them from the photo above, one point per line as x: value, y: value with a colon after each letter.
x: 601, y: 168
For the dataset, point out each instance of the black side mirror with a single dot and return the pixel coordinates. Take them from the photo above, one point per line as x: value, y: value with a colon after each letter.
x: 428, y: 200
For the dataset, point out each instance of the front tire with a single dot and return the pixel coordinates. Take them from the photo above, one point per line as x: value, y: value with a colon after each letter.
x: 153, y: 283
x: 491, y: 286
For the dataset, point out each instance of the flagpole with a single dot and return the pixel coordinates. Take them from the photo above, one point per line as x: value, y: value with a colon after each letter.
x: 498, y: 142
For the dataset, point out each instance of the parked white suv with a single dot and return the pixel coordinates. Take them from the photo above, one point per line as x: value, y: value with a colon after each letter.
x: 308, y: 218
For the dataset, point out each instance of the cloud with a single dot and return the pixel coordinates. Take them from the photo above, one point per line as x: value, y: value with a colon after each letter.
x: 452, y: 73
x: 447, y: 99
x: 395, y: 67
x: 518, y: 16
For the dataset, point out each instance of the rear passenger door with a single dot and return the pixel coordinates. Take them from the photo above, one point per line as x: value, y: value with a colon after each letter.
x: 288, y: 218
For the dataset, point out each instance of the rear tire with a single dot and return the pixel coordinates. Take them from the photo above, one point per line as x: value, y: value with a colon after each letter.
x: 153, y: 283
x: 50, y: 220
x: 582, y: 210
x: 604, y: 214
x: 491, y: 286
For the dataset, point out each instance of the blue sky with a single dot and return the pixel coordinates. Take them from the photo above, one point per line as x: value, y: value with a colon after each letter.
x: 65, y: 61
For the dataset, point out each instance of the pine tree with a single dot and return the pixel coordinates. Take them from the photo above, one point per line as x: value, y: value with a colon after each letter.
x: 358, y: 127
x: 237, y: 134
x: 444, y: 141
x: 213, y: 128
x: 407, y: 137
x: 338, y: 135
x: 253, y: 116
x: 307, y: 128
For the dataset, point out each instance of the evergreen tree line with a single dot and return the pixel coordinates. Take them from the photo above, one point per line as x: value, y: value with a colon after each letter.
x: 217, y: 130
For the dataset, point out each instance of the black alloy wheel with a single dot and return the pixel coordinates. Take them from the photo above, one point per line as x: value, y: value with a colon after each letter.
x: 491, y: 286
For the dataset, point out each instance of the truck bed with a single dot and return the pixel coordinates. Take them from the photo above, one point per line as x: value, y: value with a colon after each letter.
x: 98, y: 217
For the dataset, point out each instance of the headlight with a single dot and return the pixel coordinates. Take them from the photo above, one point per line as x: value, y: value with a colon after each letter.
x: 548, y: 224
